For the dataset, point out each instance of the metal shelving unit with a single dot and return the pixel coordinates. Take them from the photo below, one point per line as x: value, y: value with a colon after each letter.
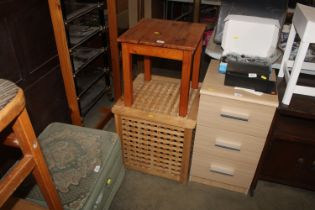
x: 86, y: 30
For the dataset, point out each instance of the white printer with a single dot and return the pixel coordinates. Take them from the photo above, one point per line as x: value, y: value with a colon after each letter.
x: 248, y: 31
x: 250, y: 36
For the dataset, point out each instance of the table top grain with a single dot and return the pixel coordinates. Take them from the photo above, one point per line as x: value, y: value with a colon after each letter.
x: 165, y: 33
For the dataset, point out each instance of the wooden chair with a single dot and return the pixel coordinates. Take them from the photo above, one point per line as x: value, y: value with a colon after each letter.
x: 303, y: 25
x: 13, y: 114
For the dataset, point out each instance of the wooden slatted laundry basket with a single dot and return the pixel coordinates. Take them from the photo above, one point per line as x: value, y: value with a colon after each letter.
x: 155, y: 139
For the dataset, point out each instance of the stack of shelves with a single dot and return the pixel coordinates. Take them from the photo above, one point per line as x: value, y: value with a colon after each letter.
x: 86, y: 29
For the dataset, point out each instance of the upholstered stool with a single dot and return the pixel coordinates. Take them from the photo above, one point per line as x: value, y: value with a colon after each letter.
x: 16, y: 131
x: 303, y: 24
x: 85, y: 164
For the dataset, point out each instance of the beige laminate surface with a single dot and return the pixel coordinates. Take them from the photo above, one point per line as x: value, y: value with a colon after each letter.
x: 212, y: 85
x: 232, y: 127
x: 234, y: 115
x: 229, y: 145
x: 226, y: 171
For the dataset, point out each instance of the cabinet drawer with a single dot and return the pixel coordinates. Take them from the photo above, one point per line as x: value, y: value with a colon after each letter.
x: 236, y: 116
x: 228, y: 145
x: 225, y: 171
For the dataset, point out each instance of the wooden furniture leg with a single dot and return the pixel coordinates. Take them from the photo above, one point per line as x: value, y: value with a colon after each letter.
x: 184, y: 88
x: 161, y: 38
x: 196, y: 66
x: 17, y: 175
x: 13, y: 115
x: 29, y: 146
x: 196, y: 10
x: 147, y: 68
x: 127, y: 75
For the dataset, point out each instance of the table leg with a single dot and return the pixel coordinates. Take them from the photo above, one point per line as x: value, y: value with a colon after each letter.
x: 196, y: 11
x: 196, y: 66
x: 127, y: 75
x: 147, y: 68
x: 184, y: 86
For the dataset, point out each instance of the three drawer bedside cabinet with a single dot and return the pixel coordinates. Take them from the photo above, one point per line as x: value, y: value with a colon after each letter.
x: 232, y: 127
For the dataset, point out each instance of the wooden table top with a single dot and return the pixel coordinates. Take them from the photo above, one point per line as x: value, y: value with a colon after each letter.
x: 165, y: 33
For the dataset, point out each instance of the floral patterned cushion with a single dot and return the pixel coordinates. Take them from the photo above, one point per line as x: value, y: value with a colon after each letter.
x: 76, y: 158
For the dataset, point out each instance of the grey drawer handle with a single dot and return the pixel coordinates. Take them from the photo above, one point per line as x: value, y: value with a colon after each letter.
x: 231, y: 145
x: 224, y: 170
x: 234, y: 116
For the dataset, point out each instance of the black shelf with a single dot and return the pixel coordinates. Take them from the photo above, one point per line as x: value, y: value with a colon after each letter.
x: 92, y: 96
x: 86, y: 27
x: 83, y: 56
x: 76, y: 10
x: 87, y: 79
x: 79, y: 34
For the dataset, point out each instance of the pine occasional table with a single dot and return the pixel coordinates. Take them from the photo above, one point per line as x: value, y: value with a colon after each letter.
x: 167, y: 39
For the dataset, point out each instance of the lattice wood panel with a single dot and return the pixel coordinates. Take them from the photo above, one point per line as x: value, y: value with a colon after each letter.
x: 155, y: 139
x: 153, y: 146
x: 160, y: 95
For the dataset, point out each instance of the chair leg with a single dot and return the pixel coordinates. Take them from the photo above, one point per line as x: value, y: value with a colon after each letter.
x: 295, y: 72
x: 29, y: 146
x: 287, y: 51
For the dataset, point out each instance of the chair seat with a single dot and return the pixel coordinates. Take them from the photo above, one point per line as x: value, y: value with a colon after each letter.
x: 303, y: 24
x: 8, y: 91
x: 85, y: 164
x: 11, y: 102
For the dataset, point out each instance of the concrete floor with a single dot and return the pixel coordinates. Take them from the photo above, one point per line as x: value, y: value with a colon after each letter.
x: 141, y: 191
x: 145, y: 192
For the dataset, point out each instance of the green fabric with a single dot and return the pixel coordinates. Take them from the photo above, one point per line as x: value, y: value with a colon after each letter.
x: 80, y: 161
